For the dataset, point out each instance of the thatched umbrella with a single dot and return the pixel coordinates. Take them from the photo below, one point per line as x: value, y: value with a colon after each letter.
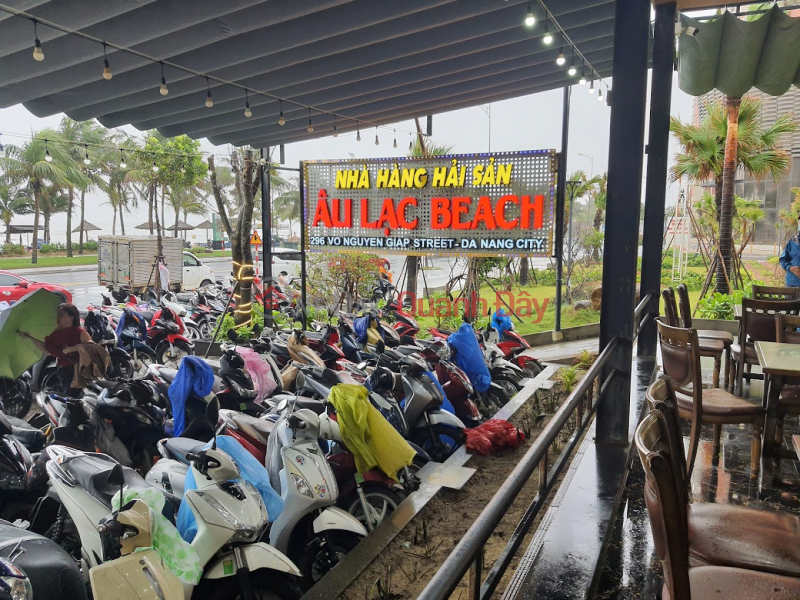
x: 147, y: 225
x: 205, y: 225
x: 86, y: 226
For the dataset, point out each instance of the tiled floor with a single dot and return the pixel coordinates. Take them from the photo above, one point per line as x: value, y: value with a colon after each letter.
x: 631, y: 569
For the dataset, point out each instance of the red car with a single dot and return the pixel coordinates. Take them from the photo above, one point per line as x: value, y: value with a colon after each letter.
x: 13, y: 288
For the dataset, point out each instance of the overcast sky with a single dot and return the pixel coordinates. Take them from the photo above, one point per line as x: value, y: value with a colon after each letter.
x: 526, y: 123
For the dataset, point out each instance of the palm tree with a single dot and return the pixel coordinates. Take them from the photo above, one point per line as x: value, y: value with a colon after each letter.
x: 52, y: 201
x: 729, y: 138
x: 26, y: 164
x: 189, y: 200
x: 13, y: 201
x: 287, y: 204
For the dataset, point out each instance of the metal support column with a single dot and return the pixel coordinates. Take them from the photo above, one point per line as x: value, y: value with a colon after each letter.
x: 561, y: 186
x: 625, y: 156
x: 266, y: 234
x: 657, y: 157
x: 303, y: 243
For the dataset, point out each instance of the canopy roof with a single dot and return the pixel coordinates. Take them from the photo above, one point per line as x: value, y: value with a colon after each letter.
x: 19, y: 229
x: 205, y: 225
x: 182, y: 226
x: 86, y: 226
x: 372, y: 61
x: 733, y: 55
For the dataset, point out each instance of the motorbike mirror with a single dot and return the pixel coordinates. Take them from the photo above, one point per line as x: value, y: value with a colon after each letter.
x: 116, y: 477
x: 380, y: 347
x: 300, y: 381
x: 233, y: 336
x: 15, y: 579
x: 362, y: 365
x: 257, y: 329
x: 212, y: 418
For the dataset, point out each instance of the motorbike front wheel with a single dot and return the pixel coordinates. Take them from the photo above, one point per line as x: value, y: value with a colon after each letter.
x: 120, y: 368
x: 446, y: 440
x: 15, y: 397
x: 314, y: 560
x: 381, y: 500
x: 171, y: 356
x: 141, y: 362
x: 266, y: 584
x: 530, y: 368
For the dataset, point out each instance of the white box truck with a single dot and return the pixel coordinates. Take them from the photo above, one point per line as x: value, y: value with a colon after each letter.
x: 125, y: 265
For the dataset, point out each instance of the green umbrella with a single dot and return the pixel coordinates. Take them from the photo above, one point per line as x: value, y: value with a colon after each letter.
x: 35, y: 314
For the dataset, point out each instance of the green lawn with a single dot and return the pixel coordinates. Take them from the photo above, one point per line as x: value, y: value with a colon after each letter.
x: 24, y: 262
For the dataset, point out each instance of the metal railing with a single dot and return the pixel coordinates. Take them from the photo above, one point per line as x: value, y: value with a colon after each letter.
x: 468, y: 555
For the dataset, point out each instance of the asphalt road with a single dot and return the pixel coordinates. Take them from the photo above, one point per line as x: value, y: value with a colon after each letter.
x: 82, y: 281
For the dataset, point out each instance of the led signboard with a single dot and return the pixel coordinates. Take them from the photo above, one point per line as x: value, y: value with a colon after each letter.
x: 465, y: 204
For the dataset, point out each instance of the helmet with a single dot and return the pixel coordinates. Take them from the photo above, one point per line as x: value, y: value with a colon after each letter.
x: 383, y: 378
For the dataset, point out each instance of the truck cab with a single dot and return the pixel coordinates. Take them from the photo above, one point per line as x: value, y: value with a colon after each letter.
x: 195, y: 273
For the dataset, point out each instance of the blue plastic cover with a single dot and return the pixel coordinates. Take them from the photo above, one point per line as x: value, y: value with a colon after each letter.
x: 360, y: 327
x: 194, y: 375
x: 445, y: 402
x: 252, y: 471
x: 501, y: 321
x: 469, y: 356
x: 123, y: 323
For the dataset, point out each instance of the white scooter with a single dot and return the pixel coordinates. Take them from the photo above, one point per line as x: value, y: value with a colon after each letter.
x: 230, y: 517
x: 311, y: 530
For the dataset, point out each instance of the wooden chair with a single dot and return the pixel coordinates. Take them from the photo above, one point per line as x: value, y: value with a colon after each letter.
x: 681, y: 362
x: 708, y: 347
x: 724, y: 534
x: 671, y: 535
x: 765, y: 292
x: 705, y: 335
x: 786, y: 332
x: 757, y: 325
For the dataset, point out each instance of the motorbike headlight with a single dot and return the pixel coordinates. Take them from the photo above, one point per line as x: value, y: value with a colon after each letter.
x: 244, y: 533
x: 302, y: 486
x: 262, y: 522
x: 14, y: 583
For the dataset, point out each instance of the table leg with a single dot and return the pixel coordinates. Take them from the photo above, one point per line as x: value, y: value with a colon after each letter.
x: 770, y: 403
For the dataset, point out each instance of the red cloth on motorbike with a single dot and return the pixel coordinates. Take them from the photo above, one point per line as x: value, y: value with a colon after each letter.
x: 493, y: 435
x: 60, y: 339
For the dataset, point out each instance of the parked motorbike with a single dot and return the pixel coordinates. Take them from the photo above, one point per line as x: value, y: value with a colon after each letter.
x: 167, y: 337
x: 19, y: 486
x: 16, y: 396
x: 133, y: 338
x: 99, y: 328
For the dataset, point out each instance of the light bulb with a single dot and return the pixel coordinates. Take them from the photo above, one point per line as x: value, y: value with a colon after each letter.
x: 377, y: 142
x: 37, y: 51
x: 582, y: 80
x: 209, y: 101
x: 335, y: 131
x: 599, y: 95
x: 183, y: 168
x: 86, y: 159
x: 530, y: 20
x: 395, y: 143
x: 163, y: 89
x: 548, y: 37
x: 310, y: 128
x: 247, y: 111
x: 123, y: 164
x: 358, y: 136
x: 155, y: 167
x: 591, y: 87
x: 572, y: 71
x: 560, y: 60
x: 281, y: 120
x: 47, y: 156
x: 107, y: 74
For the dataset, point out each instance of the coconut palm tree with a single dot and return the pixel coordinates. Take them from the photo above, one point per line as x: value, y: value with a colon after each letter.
x: 27, y: 165
x: 730, y: 137
x: 287, y: 204
x: 13, y: 201
x: 52, y: 201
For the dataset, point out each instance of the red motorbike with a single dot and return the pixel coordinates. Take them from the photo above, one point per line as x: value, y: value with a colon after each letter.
x: 405, y: 323
x: 167, y: 337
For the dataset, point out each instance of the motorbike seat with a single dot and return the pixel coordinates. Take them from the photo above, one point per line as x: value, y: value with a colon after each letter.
x: 179, y: 447
x: 407, y: 350
x: 280, y: 348
x: 91, y: 471
x: 33, y: 439
x: 258, y: 429
x: 147, y: 315
x: 167, y: 374
x: 318, y: 406
x: 185, y: 296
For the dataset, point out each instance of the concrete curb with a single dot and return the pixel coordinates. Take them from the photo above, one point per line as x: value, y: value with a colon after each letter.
x: 92, y: 267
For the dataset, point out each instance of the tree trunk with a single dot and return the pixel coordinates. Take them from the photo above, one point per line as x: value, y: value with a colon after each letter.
x: 114, y: 222
x: 150, y: 208
x: 35, y: 245
x: 718, y: 196
x: 524, y: 267
x: 69, y: 223
x: 83, y: 213
x: 177, y: 218
x: 8, y: 231
x: 46, y: 216
x: 412, y: 267
x: 121, y: 221
x: 159, y: 244
x: 724, y: 275
x: 163, y: 200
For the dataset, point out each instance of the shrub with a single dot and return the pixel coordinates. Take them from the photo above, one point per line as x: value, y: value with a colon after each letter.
x: 47, y: 248
x: 567, y: 377
x: 13, y: 249
x: 90, y: 245
x: 199, y: 250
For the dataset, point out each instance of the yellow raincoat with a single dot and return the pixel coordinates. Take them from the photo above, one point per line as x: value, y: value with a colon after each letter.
x: 367, y: 434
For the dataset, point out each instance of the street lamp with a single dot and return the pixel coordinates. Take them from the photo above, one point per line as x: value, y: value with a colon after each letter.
x: 571, y: 185
x: 488, y: 110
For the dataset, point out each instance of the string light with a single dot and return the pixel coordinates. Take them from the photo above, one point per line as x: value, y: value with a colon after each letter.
x: 591, y: 87
x: 107, y: 74
x: 281, y: 120
x: 163, y: 89
x: 582, y: 80
x: 38, y: 54
x: 310, y: 128
x: 548, y: 37
x: 155, y: 167
x: 572, y: 71
x: 560, y: 60
x: 122, y: 163
x: 335, y: 131
x: 247, y: 111
x: 86, y: 159
x: 209, y: 101
x: 47, y: 156
x: 394, y: 145
x: 358, y: 132
x: 410, y: 144
x: 599, y: 95
x: 183, y: 168
x: 530, y: 20
x: 377, y: 142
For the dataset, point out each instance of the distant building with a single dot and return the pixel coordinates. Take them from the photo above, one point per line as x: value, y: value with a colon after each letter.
x: 773, y: 197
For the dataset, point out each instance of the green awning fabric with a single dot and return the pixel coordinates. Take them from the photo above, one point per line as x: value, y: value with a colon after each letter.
x: 733, y: 55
